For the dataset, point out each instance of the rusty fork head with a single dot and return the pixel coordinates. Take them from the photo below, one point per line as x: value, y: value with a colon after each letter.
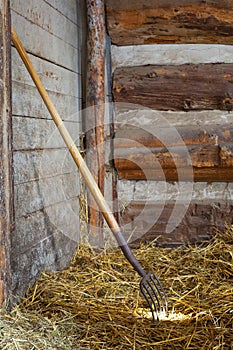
x: 154, y: 294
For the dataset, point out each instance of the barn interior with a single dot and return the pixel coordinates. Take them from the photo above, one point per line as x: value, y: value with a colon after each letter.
x: 145, y: 90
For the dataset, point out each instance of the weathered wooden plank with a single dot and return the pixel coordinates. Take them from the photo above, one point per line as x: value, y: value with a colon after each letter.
x: 154, y: 136
x: 139, y: 154
x: 54, y: 78
x: 33, y: 165
x: 201, y: 156
x: 184, y: 87
x: 135, y: 22
x: 37, y: 226
x: 36, y: 195
x: 50, y: 252
x: 199, y: 223
x: 48, y: 18
x: 55, y: 50
x: 6, y: 188
x: 46, y: 203
x: 197, y: 174
x: 26, y: 101
x: 69, y: 8
x: 32, y: 133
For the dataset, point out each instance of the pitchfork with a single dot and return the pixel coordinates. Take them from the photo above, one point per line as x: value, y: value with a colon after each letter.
x: 150, y: 285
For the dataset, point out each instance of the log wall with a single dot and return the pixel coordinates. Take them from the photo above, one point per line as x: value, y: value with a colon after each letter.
x: 184, y: 87
x: 46, y: 181
x: 172, y: 76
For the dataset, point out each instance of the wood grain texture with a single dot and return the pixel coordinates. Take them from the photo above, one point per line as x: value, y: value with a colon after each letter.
x: 56, y: 50
x: 136, y: 22
x: 50, y: 19
x: 68, y: 9
x: 55, y: 78
x: 6, y: 170
x: 95, y: 97
x: 186, y: 87
x: 31, y: 165
x: 33, y: 133
x: 42, y: 247
x: 155, y: 136
x: 26, y: 101
x: 198, y: 224
x: 197, y: 174
x: 50, y: 33
x: 37, y: 195
x: 205, y: 152
x: 201, y: 156
x: 141, y: 55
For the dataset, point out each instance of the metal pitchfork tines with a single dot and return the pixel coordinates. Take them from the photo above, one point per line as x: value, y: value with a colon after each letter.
x: 150, y: 285
x: 154, y: 294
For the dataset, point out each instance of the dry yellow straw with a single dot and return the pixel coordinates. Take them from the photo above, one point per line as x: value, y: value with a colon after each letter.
x: 100, y: 293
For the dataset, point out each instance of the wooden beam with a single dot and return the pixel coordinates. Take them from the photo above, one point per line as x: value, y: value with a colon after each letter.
x: 136, y: 22
x: 6, y: 188
x: 156, y: 136
x: 208, y: 163
x: 213, y: 174
x: 186, y: 87
x: 94, y: 118
x: 204, y: 151
x: 201, y: 156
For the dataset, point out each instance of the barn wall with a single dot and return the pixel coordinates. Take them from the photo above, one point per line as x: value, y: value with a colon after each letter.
x: 147, y: 206
x: 46, y: 182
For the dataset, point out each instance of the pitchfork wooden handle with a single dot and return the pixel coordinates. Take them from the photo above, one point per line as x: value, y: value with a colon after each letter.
x: 150, y: 285
x: 89, y: 179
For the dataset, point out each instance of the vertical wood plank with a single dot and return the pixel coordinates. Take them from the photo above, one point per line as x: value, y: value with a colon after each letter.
x: 6, y: 191
x: 95, y: 97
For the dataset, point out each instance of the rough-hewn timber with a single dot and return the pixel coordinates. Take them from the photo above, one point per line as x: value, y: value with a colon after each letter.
x: 136, y: 22
x: 186, y: 87
x: 209, y: 174
x: 6, y: 170
x: 156, y: 136
x: 198, y: 224
x: 205, y: 152
x: 95, y: 92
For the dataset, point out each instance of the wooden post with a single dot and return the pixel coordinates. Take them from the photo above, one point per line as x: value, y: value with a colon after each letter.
x: 95, y: 97
x: 6, y: 189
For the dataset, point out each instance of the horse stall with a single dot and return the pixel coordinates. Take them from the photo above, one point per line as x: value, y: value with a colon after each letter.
x: 116, y: 169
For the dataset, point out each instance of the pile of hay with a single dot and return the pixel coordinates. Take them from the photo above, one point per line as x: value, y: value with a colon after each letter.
x: 95, y: 303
